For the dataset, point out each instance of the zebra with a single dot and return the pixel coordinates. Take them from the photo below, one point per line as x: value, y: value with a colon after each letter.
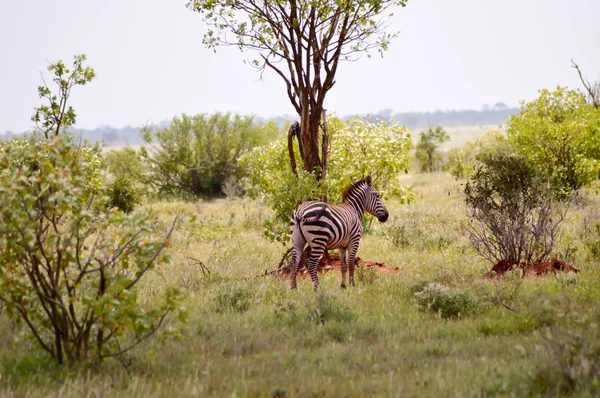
x: 338, y: 226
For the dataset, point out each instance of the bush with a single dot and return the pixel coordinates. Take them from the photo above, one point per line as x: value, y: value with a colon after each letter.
x: 69, y: 267
x: 383, y: 153
x: 558, y: 133
x: 123, y: 194
x: 197, y: 154
x: 513, y: 216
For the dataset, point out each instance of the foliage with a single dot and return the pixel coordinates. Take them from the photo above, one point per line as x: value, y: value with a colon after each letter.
x: 358, y: 148
x: 559, y: 133
x: 303, y: 42
x: 513, y: 211
x: 197, y: 154
x: 55, y: 117
x: 130, y: 179
x: 71, y: 268
x: 426, y: 148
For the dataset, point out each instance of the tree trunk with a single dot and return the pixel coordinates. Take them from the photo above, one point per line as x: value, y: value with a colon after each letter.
x: 309, y: 134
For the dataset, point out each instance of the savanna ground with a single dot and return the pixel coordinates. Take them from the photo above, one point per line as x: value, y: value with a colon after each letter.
x: 435, y: 328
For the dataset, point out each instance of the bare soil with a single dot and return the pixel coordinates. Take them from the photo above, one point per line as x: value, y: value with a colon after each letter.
x: 332, y: 263
x: 540, y: 269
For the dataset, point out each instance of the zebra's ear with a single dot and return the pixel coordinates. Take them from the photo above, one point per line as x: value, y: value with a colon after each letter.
x: 368, y: 180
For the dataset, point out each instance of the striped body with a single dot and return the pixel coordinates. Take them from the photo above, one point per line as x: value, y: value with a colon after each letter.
x: 338, y: 226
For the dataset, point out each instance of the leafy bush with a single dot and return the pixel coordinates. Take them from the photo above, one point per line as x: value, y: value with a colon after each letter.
x: 558, y: 133
x: 128, y: 162
x: 358, y: 148
x: 197, y: 154
x: 427, y: 147
x: 70, y: 268
x: 513, y: 216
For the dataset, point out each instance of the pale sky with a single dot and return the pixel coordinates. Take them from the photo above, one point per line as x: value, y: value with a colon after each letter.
x: 151, y: 64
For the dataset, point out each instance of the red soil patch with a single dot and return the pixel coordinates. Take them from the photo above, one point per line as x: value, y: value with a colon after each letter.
x: 555, y: 266
x: 333, y: 263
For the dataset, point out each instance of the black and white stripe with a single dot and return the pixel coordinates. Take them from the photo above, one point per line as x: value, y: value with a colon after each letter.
x: 338, y: 226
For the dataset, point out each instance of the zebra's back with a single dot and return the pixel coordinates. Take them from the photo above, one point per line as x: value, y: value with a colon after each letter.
x: 332, y: 226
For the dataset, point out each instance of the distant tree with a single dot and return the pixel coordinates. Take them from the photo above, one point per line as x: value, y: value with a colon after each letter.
x: 53, y: 118
x: 427, y: 147
x: 303, y: 42
x: 593, y: 89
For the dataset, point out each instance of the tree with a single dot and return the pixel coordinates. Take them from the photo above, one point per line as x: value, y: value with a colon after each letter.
x: 427, y: 146
x: 55, y: 117
x: 559, y: 134
x: 303, y: 42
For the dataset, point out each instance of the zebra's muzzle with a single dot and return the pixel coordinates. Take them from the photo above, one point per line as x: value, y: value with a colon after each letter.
x: 383, y: 217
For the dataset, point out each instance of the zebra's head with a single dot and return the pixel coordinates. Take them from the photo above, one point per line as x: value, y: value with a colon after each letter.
x: 373, y: 203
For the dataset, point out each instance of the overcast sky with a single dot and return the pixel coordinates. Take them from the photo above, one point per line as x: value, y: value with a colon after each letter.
x: 151, y: 64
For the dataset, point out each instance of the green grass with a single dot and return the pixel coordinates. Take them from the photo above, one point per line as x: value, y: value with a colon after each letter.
x: 433, y: 329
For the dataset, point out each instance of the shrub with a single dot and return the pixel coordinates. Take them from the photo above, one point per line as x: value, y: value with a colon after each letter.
x: 69, y: 267
x: 123, y: 194
x: 557, y: 134
x: 197, y: 154
x: 358, y: 148
x: 513, y: 216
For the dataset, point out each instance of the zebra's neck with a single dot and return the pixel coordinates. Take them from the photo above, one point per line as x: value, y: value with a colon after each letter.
x: 357, y: 200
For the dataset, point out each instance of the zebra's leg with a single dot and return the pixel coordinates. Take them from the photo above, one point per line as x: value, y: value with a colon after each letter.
x: 298, y: 243
x: 316, y: 252
x: 352, y: 261
x: 342, y: 253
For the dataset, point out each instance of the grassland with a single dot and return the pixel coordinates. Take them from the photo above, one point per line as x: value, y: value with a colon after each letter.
x: 433, y: 329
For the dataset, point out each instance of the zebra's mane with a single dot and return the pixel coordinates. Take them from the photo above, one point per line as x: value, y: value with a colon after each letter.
x: 352, y: 188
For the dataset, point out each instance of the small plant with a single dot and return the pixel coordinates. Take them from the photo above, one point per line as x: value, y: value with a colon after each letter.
x: 366, y: 275
x: 513, y: 215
